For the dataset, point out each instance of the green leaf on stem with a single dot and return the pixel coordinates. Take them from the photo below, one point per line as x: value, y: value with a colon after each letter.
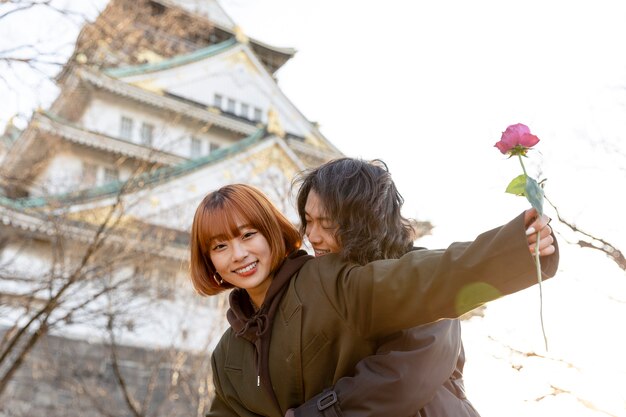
x: 534, y: 194
x: 517, y: 186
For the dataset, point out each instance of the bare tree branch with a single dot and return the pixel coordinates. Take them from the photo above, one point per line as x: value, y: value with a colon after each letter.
x: 554, y: 390
x: 533, y: 354
x: 52, y: 304
x: 23, y: 5
x: 588, y: 404
x: 593, y: 242
x: 128, y: 398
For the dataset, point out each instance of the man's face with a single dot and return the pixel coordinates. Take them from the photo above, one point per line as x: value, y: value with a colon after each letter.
x: 320, y: 230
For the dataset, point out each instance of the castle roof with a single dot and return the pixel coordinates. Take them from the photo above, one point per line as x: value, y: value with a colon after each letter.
x: 213, y: 12
x: 175, y: 61
x: 141, y: 181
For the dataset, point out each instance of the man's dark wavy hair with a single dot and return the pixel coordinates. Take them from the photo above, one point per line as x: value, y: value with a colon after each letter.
x: 362, y: 199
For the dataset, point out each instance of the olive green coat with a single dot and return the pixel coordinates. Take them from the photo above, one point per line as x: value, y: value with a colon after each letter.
x: 333, y: 313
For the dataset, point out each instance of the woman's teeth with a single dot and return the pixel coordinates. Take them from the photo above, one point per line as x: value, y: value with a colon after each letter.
x: 246, y: 269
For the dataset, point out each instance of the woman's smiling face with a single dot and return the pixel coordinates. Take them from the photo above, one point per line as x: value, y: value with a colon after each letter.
x: 244, y: 261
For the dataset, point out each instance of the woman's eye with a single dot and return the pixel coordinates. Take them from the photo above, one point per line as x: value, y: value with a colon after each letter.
x: 249, y: 234
x: 218, y: 246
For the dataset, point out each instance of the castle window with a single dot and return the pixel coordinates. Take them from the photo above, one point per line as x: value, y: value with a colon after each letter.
x: 147, y: 133
x: 110, y: 175
x: 217, y: 101
x: 258, y: 114
x: 213, y: 147
x: 196, y: 147
x: 231, y: 104
x: 126, y: 128
x: 245, y: 109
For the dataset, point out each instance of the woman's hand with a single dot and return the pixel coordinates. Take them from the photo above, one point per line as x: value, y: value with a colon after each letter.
x: 290, y: 413
x: 535, y: 223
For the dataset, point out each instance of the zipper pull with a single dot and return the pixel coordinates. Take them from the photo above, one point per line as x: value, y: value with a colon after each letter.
x: 258, y: 380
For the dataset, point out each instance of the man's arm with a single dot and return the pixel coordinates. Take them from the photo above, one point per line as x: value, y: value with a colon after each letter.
x: 386, y: 296
x: 399, y: 380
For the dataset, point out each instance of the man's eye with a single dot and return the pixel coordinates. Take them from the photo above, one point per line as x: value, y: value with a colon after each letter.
x: 329, y: 225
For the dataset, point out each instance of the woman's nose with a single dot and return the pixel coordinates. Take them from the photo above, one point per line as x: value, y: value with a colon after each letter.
x: 240, y: 251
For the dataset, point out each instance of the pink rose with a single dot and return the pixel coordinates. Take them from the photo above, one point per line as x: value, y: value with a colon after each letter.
x: 516, y: 139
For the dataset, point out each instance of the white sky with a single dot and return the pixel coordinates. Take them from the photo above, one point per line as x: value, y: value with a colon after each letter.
x: 428, y: 86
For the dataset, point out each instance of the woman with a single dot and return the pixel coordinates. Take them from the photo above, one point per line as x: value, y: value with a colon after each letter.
x: 352, y: 207
x: 324, y: 315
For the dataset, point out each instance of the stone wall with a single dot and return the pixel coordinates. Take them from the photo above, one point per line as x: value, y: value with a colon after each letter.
x: 67, y: 378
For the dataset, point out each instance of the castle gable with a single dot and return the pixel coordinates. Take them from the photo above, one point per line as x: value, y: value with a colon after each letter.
x: 226, y: 78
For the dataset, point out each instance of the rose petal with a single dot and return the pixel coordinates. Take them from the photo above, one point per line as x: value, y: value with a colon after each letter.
x: 528, y: 140
x: 502, y: 147
x: 516, y: 135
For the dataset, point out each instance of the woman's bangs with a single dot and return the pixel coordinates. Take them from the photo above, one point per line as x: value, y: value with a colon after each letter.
x: 219, y: 224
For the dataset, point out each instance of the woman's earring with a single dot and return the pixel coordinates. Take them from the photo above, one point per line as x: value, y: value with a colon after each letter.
x: 218, y: 280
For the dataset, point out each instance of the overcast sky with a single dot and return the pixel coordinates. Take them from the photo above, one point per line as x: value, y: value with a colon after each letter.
x: 428, y: 86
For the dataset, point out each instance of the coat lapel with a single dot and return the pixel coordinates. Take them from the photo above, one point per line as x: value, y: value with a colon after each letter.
x: 285, y: 361
x: 285, y: 350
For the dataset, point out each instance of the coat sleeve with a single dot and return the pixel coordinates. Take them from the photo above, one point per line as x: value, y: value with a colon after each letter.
x: 423, y: 286
x: 412, y: 364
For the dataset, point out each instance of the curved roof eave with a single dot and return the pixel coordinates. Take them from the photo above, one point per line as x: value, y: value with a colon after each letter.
x: 97, y: 140
x: 41, y: 225
x: 290, y: 52
x: 147, y: 179
x: 176, y: 61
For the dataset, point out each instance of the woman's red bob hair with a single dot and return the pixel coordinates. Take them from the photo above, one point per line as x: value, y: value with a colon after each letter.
x: 218, y: 216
